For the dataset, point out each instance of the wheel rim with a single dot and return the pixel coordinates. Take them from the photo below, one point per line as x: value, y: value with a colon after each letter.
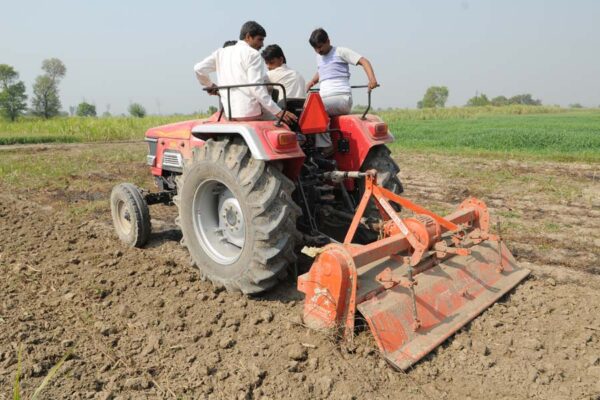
x: 123, y: 217
x: 219, y: 222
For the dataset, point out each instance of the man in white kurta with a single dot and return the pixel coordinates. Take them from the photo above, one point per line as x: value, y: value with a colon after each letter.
x: 242, y: 64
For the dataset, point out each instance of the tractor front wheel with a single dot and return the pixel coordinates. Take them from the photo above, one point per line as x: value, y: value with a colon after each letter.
x: 130, y: 215
x: 237, y: 216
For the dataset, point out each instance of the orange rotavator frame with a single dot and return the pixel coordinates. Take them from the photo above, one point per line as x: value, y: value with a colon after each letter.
x: 422, y: 281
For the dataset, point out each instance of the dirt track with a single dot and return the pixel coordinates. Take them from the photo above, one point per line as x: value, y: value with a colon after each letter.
x: 141, y: 325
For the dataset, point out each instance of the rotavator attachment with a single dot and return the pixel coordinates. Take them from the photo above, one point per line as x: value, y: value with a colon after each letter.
x: 425, y: 278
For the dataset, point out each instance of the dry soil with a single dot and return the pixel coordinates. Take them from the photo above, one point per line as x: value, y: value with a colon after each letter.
x: 140, y: 324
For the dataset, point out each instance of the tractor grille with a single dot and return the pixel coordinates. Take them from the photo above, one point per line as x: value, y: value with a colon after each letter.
x: 172, y: 160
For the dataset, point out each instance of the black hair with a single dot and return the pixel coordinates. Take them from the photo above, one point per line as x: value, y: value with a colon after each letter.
x: 317, y: 37
x: 253, y: 28
x: 273, y: 51
x: 229, y: 43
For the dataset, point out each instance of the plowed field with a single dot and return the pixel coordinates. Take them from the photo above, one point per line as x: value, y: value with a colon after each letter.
x: 140, y: 324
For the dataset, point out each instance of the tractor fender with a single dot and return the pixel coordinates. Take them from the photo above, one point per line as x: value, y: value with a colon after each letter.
x: 362, y: 135
x: 247, y: 133
x: 262, y: 138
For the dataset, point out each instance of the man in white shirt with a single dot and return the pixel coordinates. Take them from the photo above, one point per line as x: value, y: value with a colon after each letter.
x: 333, y: 75
x: 242, y: 64
x: 279, y: 72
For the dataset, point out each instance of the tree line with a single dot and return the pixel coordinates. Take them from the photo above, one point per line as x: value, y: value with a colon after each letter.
x: 436, y: 97
x: 45, y: 101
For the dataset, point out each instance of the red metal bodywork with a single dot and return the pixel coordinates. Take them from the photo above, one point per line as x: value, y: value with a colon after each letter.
x: 362, y: 135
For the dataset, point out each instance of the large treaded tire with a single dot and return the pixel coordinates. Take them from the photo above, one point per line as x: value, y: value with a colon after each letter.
x: 130, y: 214
x: 269, y: 213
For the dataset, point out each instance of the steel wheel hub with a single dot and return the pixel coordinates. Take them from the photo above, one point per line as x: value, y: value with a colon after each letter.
x: 124, y: 219
x: 219, y: 222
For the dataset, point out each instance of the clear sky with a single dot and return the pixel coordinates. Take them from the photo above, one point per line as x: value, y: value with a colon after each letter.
x: 118, y: 52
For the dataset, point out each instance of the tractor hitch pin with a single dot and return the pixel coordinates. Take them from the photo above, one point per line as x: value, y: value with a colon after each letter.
x: 501, y: 267
x: 339, y: 176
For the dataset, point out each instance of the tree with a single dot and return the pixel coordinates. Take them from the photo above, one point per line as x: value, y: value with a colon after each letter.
x: 500, y: 101
x: 211, y: 110
x: 8, y: 76
x: 45, y: 100
x: 575, y: 105
x: 478, y: 101
x: 54, y: 69
x: 137, y: 110
x: 525, y: 99
x: 434, y: 97
x: 86, y: 110
x: 13, y: 100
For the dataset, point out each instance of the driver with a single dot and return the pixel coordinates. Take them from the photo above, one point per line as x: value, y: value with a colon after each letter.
x: 242, y: 64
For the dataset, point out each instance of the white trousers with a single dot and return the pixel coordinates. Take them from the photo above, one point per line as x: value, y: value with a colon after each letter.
x: 340, y: 104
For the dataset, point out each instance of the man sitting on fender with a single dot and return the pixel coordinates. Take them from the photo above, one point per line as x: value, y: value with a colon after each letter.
x: 242, y: 64
x: 334, y: 77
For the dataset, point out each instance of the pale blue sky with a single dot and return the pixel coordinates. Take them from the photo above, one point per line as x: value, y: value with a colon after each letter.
x: 117, y: 52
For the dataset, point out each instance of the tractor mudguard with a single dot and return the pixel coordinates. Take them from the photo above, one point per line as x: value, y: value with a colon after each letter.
x: 169, y: 145
x: 266, y: 141
x: 361, y: 135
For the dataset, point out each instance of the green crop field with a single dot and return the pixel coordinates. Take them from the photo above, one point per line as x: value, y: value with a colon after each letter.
x: 514, y: 131
x: 561, y: 135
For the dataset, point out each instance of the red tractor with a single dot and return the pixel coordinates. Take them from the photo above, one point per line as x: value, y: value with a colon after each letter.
x: 251, y: 194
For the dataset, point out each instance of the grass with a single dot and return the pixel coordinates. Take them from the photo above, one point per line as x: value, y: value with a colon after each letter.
x: 426, y: 114
x: 538, y: 132
x: 68, y: 170
x: 78, y: 129
x: 75, y: 180
x: 560, y: 136
x: 47, y: 379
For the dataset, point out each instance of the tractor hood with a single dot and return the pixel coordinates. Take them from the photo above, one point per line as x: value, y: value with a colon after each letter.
x: 178, y: 130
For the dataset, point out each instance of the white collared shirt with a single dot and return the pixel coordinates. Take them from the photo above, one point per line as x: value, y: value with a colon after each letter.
x: 295, y: 86
x: 234, y: 65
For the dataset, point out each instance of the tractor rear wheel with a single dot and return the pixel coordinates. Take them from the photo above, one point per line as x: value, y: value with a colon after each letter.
x: 237, y: 216
x: 130, y: 215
